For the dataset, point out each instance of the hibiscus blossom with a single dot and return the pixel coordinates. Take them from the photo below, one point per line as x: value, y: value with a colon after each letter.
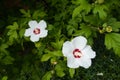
x: 78, y: 53
x: 36, y: 30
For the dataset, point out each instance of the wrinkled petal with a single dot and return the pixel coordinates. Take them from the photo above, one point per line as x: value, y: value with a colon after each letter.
x: 27, y: 32
x: 34, y: 38
x: 79, y: 42
x: 67, y: 49
x: 43, y: 33
x: 87, y: 51
x: 85, y: 62
x: 42, y: 24
x: 32, y: 24
x: 72, y: 63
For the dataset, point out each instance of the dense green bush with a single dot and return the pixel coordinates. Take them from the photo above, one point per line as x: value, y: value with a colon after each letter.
x: 22, y: 59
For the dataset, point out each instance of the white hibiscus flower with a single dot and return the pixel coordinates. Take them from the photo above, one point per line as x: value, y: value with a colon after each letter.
x: 36, y: 30
x: 78, y: 53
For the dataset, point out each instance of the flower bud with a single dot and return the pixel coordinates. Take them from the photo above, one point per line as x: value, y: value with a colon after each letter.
x: 108, y: 29
x: 54, y: 63
x: 100, y: 1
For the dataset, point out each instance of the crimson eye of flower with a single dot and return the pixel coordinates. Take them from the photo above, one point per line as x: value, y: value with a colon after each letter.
x: 77, y: 53
x: 36, y: 31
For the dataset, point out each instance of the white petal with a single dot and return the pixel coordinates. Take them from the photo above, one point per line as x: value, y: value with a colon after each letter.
x: 79, y: 42
x: 87, y: 51
x: 27, y: 32
x: 71, y: 62
x: 85, y: 62
x: 34, y: 38
x: 33, y: 23
x: 67, y: 49
x: 43, y: 33
x: 42, y: 24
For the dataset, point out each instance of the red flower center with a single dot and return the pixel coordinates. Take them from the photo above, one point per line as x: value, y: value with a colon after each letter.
x: 36, y: 31
x: 77, y: 53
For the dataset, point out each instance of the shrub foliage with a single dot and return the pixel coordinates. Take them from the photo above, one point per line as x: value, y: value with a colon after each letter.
x: 97, y: 20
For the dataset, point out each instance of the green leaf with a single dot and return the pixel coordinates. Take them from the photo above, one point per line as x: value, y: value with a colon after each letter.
x: 112, y: 40
x: 22, y: 11
x: 85, y: 30
x: 79, y: 2
x: 5, y: 78
x: 21, y: 33
x: 101, y: 10
x: 25, y: 13
x: 8, y: 60
x: 54, y: 53
x: 50, y: 27
x: 38, y: 44
x: 12, y: 35
x: 38, y: 14
x: 84, y: 7
x: 3, y: 46
x: 92, y: 19
x: 3, y: 51
x: 13, y: 27
x: 70, y: 29
x: 47, y: 76
x: 117, y: 50
x: 72, y: 72
x: 90, y: 40
x: 57, y: 53
x: 77, y: 11
x: 58, y: 44
x: 46, y: 57
x: 115, y: 26
x: 59, y: 70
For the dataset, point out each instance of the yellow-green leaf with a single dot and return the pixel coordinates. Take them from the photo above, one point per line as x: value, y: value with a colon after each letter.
x: 72, y: 72
x: 112, y: 40
x: 47, y: 76
x: 13, y: 27
x: 59, y: 70
x: 101, y: 10
x: 46, y: 57
x: 5, y: 78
